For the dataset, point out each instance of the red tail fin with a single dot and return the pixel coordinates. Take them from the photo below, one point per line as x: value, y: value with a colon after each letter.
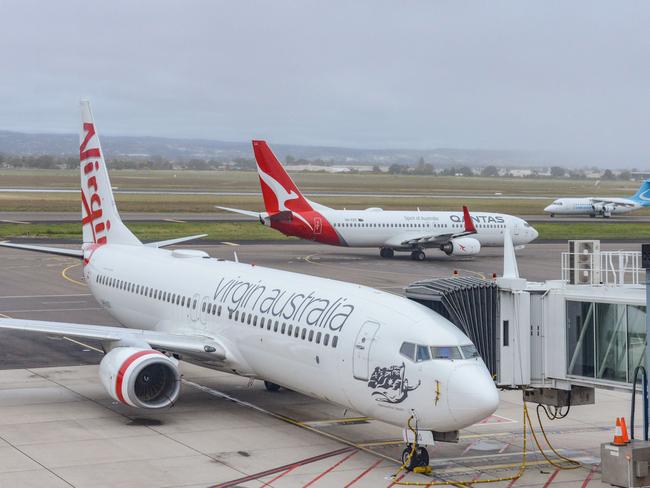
x: 469, y: 223
x: 279, y: 191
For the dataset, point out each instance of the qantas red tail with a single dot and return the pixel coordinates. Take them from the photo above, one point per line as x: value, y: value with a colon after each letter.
x: 280, y: 192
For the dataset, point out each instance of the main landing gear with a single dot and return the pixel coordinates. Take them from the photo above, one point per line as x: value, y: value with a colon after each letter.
x: 386, y: 252
x: 419, y: 459
x: 418, y: 255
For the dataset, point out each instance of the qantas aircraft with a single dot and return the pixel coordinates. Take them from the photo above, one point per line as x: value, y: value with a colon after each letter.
x: 604, y: 207
x: 288, y: 211
x: 378, y: 353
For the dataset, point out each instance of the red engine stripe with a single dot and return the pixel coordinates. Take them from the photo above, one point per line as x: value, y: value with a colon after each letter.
x: 125, y: 366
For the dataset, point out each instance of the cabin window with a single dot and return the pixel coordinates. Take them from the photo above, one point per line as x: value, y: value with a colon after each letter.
x: 408, y: 350
x: 284, y: 328
x: 422, y: 354
x: 255, y: 321
x: 269, y: 323
x: 326, y: 339
x: 275, y: 326
x: 214, y: 308
x: 249, y: 319
x: 318, y: 338
x: 445, y: 352
x: 243, y: 317
x: 303, y: 334
x: 261, y: 322
x: 335, y: 341
x: 296, y: 332
x: 203, y: 307
x: 182, y: 301
x: 219, y: 311
x: 194, y: 304
x: 236, y: 315
x: 290, y: 330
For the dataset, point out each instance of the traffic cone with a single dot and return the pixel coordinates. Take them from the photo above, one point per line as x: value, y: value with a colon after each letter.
x: 625, y: 437
x: 618, y: 434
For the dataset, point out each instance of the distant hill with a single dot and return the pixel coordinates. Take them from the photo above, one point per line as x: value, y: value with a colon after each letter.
x: 184, y: 149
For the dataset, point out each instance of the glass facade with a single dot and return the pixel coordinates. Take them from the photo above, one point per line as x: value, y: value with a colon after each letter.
x: 604, y: 340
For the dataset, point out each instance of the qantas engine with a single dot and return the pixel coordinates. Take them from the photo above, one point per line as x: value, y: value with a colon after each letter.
x: 463, y: 246
x: 140, y: 377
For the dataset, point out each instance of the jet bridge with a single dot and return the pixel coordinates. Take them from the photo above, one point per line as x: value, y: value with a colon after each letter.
x: 559, y: 339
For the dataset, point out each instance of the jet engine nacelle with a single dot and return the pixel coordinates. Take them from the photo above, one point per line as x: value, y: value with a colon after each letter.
x: 462, y: 246
x: 140, y: 377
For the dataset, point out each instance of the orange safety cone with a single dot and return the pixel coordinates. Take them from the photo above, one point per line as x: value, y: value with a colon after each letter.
x: 618, y: 434
x: 625, y: 438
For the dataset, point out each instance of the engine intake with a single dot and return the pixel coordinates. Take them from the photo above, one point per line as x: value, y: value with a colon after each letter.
x: 138, y: 377
x: 462, y: 246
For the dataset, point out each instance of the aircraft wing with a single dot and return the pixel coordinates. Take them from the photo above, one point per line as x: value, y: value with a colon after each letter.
x: 431, y: 240
x: 182, y: 344
x: 61, y: 251
x: 616, y: 203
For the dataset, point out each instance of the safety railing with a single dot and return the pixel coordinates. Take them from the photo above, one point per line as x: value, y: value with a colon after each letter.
x: 611, y: 268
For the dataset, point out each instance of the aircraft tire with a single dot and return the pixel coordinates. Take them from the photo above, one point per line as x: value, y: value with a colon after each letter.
x: 552, y: 215
x: 271, y: 386
x: 386, y: 252
x: 422, y: 456
x: 418, y: 255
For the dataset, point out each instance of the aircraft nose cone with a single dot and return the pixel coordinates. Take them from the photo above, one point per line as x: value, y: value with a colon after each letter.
x: 471, y: 394
x: 548, y: 208
x: 534, y: 233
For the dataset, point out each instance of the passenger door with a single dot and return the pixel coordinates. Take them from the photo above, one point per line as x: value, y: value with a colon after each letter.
x: 362, y: 349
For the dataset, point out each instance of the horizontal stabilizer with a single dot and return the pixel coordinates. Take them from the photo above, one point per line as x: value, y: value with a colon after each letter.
x: 248, y: 213
x: 60, y: 251
x: 171, y: 242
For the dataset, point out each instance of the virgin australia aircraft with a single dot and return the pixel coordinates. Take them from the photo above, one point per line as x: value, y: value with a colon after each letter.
x: 454, y: 233
x: 380, y: 354
x: 604, y: 207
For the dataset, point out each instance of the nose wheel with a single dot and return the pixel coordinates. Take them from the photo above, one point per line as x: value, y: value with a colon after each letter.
x: 419, y: 459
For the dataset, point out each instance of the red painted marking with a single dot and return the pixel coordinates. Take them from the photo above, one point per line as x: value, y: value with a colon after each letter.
x: 512, y: 483
x: 125, y: 366
x: 90, y: 153
x: 331, y: 468
x: 589, y: 476
x: 399, y: 478
x: 268, y: 472
x: 268, y: 483
x: 363, y: 473
x: 469, y: 223
x: 551, y: 478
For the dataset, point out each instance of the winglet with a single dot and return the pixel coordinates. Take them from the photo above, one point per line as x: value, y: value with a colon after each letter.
x: 469, y: 223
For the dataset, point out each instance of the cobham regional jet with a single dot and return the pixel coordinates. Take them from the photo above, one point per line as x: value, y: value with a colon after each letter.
x: 603, y: 206
x: 288, y: 211
x: 380, y: 354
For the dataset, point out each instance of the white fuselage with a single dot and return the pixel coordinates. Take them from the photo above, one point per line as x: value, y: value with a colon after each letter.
x: 332, y: 340
x: 592, y: 206
x: 389, y: 228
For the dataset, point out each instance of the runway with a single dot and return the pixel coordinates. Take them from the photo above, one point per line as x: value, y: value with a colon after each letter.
x: 59, y: 428
x: 221, y: 216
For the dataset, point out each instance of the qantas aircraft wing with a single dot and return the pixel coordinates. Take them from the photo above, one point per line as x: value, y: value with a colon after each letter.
x: 616, y: 203
x: 182, y: 344
x: 425, y: 240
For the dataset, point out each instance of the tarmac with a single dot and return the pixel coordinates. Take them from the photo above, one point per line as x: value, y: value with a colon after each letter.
x: 58, y: 427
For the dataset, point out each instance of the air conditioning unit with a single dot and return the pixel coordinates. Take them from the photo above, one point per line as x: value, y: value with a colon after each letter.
x: 584, y: 262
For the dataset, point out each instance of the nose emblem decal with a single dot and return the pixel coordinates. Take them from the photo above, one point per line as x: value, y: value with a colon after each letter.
x: 390, y: 384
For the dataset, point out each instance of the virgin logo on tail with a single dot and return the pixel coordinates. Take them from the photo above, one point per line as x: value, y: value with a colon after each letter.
x: 90, y: 198
x: 282, y: 195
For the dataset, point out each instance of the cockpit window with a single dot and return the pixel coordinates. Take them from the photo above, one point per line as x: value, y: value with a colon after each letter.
x: 526, y: 224
x: 445, y: 352
x: 408, y: 350
x: 469, y: 351
x: 422, y: 354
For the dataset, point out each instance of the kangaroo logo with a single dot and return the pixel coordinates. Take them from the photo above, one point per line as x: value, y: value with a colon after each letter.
x: 282, y: 195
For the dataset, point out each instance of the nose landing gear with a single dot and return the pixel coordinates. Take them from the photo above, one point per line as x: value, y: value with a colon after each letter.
x: 419, y: 458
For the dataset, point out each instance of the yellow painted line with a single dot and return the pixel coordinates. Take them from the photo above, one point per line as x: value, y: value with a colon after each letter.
x: 88, y: 346
x: 177, y: 221
x: 64, y: 273
x: 336, y: 421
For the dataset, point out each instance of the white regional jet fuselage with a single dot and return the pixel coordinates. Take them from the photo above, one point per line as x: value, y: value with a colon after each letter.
x: 592, y: 206
x: 328, y: 339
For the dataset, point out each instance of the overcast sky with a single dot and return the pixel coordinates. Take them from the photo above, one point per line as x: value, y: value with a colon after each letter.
x: 569, y: 76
